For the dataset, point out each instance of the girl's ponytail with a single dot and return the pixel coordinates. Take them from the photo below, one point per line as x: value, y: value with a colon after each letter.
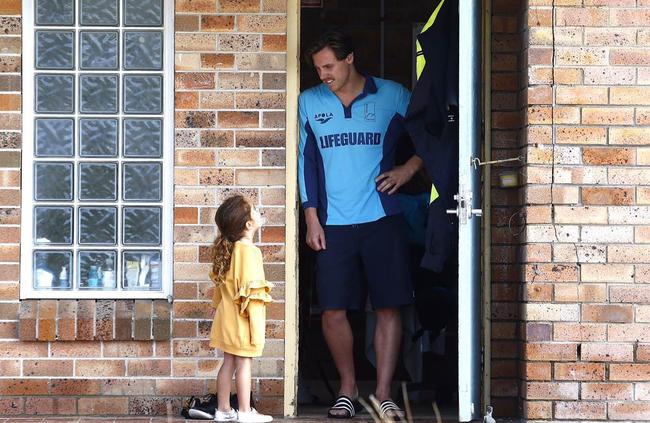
x: 221, y: 253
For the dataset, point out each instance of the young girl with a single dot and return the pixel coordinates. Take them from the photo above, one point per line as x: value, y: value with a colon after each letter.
x: 240, y: 298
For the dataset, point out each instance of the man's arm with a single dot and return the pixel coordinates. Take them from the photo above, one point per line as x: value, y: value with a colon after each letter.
x: 392, y: 180
x: 308, y: 181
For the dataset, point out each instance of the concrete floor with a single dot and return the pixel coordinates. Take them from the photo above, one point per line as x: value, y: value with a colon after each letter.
x: 174, y: 420
x: 359, y: 419
x: 169, y: 420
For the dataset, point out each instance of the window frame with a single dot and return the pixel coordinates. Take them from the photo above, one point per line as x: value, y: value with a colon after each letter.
x: 27, y: 290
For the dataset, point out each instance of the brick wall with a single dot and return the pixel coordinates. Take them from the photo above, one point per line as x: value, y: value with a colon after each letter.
x: 586, y: 338
x: 230, y: 94
x: 506, y: 220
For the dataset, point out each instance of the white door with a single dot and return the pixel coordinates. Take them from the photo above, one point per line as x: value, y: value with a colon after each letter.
x: 469, y: 208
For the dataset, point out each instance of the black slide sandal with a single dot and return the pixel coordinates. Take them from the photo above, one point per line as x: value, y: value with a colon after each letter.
x: 344, y: 403
x: 388, y: 406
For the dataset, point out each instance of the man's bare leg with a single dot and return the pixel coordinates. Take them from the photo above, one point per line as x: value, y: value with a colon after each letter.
x: 388, y: 335
x: 339, y: 338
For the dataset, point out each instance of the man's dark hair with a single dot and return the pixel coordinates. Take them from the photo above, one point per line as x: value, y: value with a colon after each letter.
x: 339, y: 41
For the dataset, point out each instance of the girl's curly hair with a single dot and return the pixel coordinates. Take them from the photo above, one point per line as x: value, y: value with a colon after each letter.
x: 231, y: 218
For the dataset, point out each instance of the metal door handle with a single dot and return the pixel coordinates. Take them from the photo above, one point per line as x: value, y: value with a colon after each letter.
x: 477, y: 212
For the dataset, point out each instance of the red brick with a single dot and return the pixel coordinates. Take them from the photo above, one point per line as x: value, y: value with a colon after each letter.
x: 629, y: 411
x: 631, y: 372
x: 582, y: 16
x: 275, y: 43
x: 11, y: 406
x: 538, y: 409
x: 581, y: 410
x: 41, y: 405
x: 629, y: 56
x: 194, y: 80
x: 607, y: 116
x: 217, y: 60
x: 186, y: 100
x: 579, y: 371
x: 608, y: 196
x: 643, y: 352
x: 217, y: 23
x: 186, y: 215
x: 10, y: 7
x: 262, y: 23
x: 149, y: 368
x: 195, y: 157
x: 75, y: 387
x: 188, y: 23
x: 22, y: 349
x: 238, y: 6
x: 550, y: 351
x: 10, y: 368
x: 103, y: 406
x: 581, y: 95
x: 551, y: 390
x: 23, y: 387
x: 607, y: 391
x: 47, y: 367
x: 195, y: 42
x: 630, y: 95
x: 579, y: 332
x: 537, y: 371
x: 607, y: 156
x: 177, y: 386
x: 610, y: 36
x: 581, y: 135
x: 88, y: 368
x: 135, y: 349
x: 606, y: 352
x: 239, y: 119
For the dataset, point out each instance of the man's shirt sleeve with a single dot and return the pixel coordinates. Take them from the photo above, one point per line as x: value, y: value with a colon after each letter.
x: 307, y: 160
x: 403, y: 99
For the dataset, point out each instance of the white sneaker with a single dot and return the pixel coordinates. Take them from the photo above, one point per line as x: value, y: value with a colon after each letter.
x: 225, y: 416
x: 252, y: 417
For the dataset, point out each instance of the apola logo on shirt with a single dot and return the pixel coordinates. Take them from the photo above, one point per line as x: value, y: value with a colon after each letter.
x: 323, y: 117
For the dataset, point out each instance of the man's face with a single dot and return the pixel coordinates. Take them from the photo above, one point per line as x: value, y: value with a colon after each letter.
x: 333, y: 72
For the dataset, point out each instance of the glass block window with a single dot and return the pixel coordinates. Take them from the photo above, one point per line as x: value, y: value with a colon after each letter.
x: 98, y: 144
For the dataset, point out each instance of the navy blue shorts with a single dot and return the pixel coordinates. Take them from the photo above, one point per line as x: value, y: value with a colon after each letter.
x: 376, y: 252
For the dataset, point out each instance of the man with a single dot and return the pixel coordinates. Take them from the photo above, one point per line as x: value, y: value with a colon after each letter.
x: 349, y: 126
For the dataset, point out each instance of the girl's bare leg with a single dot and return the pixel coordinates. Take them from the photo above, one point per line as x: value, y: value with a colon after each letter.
x: 224, y: 380
x: 243, y: 382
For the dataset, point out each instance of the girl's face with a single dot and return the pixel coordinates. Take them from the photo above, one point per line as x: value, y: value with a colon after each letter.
x: 256, y: 219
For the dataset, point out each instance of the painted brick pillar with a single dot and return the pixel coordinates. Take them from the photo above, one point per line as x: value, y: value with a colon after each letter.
x: 586, y: 302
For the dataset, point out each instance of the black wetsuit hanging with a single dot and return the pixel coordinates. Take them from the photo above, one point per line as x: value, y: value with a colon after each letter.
x: 432, y: 123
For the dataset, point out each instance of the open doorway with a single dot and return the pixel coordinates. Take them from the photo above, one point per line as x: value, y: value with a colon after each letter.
x: 384, y: 32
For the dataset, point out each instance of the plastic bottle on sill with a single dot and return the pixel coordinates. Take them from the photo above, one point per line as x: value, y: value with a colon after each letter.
x: 93, y: 277
x: 109, y: 274
x: 154, y: 272
x: 63, y: 278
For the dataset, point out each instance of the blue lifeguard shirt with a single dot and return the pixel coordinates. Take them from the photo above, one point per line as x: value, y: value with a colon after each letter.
x: 343, y: 150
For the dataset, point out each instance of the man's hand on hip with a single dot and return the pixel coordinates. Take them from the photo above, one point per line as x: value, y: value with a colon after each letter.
x: 393, y: 179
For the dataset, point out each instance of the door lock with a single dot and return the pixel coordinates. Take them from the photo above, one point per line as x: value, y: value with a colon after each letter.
x: 463, y: 210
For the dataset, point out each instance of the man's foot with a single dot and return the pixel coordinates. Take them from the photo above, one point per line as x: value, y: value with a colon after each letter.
x: 344, y: 408
x: 253, y: 417
x: 388, y: 410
